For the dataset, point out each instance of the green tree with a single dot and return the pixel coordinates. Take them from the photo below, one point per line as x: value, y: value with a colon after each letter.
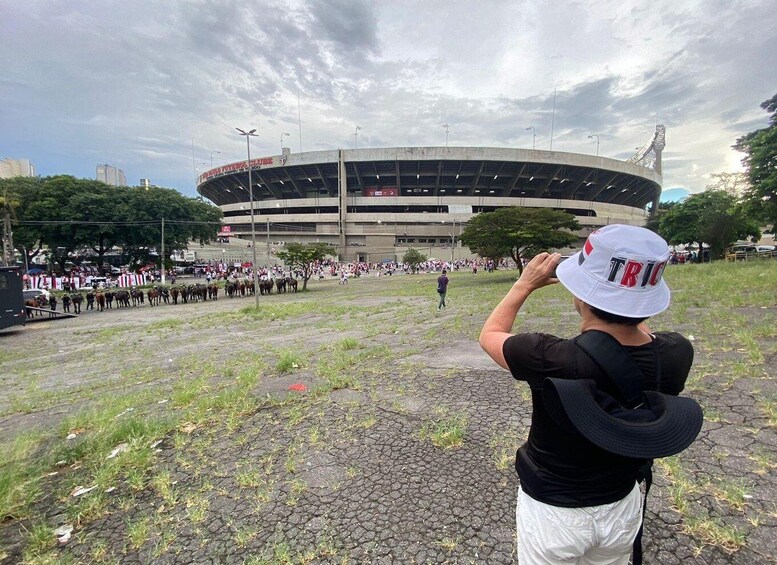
x: 304, y: 257
x: 760, y: 161
x: 713, y: 217
x: 518, y: 232
x: 185, y: 219
x: 413, y: 257
x: 68, y: 215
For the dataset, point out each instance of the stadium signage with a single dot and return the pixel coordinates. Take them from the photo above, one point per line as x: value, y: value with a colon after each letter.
x: 385, y: 191
x: 235, y: 167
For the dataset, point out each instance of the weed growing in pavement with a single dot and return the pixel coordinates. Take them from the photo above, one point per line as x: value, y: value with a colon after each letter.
x: 769, y: 409
x: 446, y: 431
x: 138, y: 532
x: 289, y: 361
x: 765, y: 461
x: 166, y: 325
x: 348, y: 343
x: 504, y: 445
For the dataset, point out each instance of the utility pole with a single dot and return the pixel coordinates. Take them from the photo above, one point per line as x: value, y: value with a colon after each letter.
x: 453, y: 241
x: 268, y: 243
x: 7, y: 238
x: 162, y: 256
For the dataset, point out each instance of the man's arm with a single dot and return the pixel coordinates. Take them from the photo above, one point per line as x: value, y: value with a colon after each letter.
x: 496, y: 330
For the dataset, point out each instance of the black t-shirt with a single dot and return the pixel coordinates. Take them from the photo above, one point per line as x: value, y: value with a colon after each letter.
x: 563, y: 468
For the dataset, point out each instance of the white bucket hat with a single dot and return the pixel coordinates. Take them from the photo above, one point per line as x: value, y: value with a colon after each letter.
x: 620, y: 271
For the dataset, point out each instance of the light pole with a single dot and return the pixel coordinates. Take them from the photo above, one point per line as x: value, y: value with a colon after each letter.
x: 284, y: 133
x: 254, y: 266
x: 597, y: 142
x: 211, y: 157
x: 446, y: 126
x: 533, y: 136
x: 356, y: 136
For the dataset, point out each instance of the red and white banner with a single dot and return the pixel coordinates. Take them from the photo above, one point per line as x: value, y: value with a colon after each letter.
x: 76, y: 282
x: 127, y: 280
x: 54, y: 283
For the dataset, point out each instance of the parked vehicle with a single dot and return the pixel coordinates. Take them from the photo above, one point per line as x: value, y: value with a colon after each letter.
x: 741, y: 252
x: 12, y: 310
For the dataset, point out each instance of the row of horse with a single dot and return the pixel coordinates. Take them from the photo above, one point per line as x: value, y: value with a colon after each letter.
x: 157, y: 295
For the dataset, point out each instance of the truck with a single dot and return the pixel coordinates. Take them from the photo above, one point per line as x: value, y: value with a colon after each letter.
x: 12, y: 311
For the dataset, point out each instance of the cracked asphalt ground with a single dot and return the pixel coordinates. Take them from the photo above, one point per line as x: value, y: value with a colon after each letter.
x: 398, y: 450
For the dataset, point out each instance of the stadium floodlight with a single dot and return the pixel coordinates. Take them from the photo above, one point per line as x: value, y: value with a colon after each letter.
x: 211, y: 157
x: 282, y: 135
x: 446, y: 126
x: 597, y: 142
x: 356, y: 136
x: 248, y: 136
x: 533, y: 136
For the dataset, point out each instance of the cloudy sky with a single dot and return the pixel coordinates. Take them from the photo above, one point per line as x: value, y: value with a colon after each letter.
x: 157, y: 88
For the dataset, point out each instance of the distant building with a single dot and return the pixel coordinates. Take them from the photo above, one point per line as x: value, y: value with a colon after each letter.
x: 145, y: 183
x: 10, y: 168
x: 111, y: 175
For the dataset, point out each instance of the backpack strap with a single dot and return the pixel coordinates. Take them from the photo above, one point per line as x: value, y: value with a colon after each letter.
x: 623, y: 372
x: 617, y: 364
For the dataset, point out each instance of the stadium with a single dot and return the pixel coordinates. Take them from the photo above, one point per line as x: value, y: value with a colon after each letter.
x: 373, y: 204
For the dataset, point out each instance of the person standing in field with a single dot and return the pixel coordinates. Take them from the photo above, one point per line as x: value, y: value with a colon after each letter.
x: 604, y: 404
x: 442, y: 288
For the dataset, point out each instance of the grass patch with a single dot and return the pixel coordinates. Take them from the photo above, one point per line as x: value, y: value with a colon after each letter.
x: 446, y: 432
x: 289, y: 361
x: 167, y: 324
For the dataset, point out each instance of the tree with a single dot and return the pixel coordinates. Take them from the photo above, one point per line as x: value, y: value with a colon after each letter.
x: 760, y: 161
x: 413, y: 257
x: 304, y: 257
x: 67, y: 215
x: 518, y: 232
x: 713, y: 217
x: 185, y: 219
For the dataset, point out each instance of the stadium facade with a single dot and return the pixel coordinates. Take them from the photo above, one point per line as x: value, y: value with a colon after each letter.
x: 373, y: 204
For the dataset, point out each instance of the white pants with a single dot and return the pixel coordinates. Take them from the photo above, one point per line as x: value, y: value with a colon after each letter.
x: 593, y: 535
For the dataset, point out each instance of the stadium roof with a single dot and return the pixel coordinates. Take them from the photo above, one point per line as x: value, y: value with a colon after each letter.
x: 437, y: 171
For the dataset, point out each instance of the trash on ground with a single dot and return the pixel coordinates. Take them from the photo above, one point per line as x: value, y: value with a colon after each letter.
x: 79, y: 490
x: 298, y: 387
x: 121, y: 448
x: 63, y: 533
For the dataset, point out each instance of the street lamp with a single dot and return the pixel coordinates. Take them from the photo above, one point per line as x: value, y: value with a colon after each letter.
x: 248, y: 136
x: 211, y: 157
x: 597, y: 142
x: 356, y: 136
x: 284, y: 133
x: 533, y: 135
x: 446, y: 126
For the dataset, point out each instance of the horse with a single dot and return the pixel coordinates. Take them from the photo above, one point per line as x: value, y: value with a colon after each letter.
x: 77, y: 298
x: 53, y: 305
x: 122, y: 299
x: 213, y: 291
x: 137, y: 296
x: 100, y: 297
x: 90, y: 300
x: 174, y: 293
x: 266, y: 286
x: 109, y: 298
x: 281, y: 284
x: 292, y: 283
x: 66, y: 303
x: 153, y: 296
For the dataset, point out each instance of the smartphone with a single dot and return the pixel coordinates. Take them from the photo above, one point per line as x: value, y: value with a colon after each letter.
x: 561, y: 259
